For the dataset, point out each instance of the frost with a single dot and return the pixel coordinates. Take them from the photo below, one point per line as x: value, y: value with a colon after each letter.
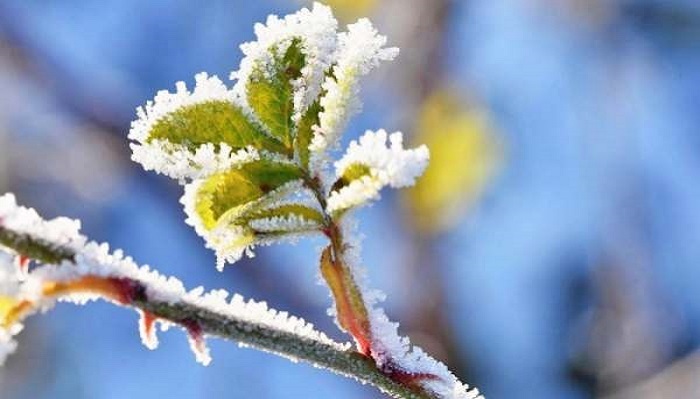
x: 290, y: 223
x: 391, y: 351
x: 360, y: 50
x: 206, y: 89
x: 230, y: 241
x: 316, y: 28
x: 60, y: 231
x: 388, y: 166
x: 147, y: 330
x: 177, y: 162
x: 99, y: 273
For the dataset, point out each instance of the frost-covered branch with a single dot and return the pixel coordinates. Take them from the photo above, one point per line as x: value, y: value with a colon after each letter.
x: 71, y: 269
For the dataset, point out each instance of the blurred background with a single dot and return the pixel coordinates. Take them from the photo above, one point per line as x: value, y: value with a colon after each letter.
x: 552, y: 250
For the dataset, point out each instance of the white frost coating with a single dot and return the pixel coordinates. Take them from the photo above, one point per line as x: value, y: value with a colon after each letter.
x: 389, y: 166
x: 62, y: 231
x: 178, y: 162
x: 175, y: 160
x: 316, y: 28
x: 389, y: 349
x: 229, y: 241
x: 360, y: 50
x: 288, y: 223
x: 207, y: 88
x: 147, y: 331
x: 93, y: 259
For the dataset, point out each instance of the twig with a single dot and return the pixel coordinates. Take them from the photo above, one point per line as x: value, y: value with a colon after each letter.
x: 283, y: 343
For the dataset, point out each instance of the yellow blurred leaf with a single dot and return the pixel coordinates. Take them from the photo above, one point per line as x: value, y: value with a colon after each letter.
x: 464, y: 156
x: 348, y: 10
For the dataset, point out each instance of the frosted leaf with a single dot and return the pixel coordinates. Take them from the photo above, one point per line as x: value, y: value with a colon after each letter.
x: 188, y: 135
x: 360, y: 50
x: 384, y: 165
x: 177, y: 162
x: 206, y: 89
x: 316, y: 30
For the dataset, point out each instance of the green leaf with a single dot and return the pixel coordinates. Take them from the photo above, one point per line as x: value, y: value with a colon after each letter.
x: 212, y: 122
x: 226, y: 195
x: 305, y: 132
x: 352, y: 172
x: 272, y: 96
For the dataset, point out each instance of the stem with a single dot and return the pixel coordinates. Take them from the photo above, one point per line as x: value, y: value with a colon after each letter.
x: 350, y: 306
x: 348, y: 363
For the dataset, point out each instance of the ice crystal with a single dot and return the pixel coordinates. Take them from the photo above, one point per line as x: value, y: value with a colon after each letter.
x: 230, y: 240
x: 390, y: 350
x: 316, y: 30
x: 387, y: 165
x: 176, y: 160
x: 360, y: 50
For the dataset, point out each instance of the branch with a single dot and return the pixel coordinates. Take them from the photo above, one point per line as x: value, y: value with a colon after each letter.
x: 287, y: 344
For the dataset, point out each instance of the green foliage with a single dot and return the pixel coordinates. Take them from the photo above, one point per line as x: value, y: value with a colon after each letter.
x: 305, y: 132
x: 272, y: 98
x: 212, y: 122
x: 230, y: 193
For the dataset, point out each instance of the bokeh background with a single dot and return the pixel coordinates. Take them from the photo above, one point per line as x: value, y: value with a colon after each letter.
x: 551, y: 251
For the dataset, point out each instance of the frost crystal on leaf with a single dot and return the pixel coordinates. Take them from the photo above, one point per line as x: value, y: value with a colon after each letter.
x: 379, y: 165
x: 237, y: 231
x: 176, y: 160
x: 360, y: 50
x: 316, y: 30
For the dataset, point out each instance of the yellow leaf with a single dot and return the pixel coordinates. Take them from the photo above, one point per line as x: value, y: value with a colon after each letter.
x: 351, y: 9
x: 464, y: 156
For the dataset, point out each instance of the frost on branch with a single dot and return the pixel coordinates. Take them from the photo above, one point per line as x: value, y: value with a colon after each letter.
x: 393, y: 353
x: 254, y: 163
x: 370, y: 165
x: 92, y: 272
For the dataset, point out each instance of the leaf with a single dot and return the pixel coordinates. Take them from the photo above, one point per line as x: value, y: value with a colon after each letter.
x: 465, y: 155
x: 272, y: 96
x: 351, y: 173
x: 350, y: 10
x: 215, y: 121
x: 305, y: 132
x: 226, y: 195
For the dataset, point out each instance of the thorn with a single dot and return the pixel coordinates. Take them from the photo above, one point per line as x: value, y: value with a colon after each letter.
x: 147, y: 329
x: 198, y: 344
x: 22, y: 264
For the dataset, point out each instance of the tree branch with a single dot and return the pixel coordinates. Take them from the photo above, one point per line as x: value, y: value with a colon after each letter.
x: 348, y: 363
